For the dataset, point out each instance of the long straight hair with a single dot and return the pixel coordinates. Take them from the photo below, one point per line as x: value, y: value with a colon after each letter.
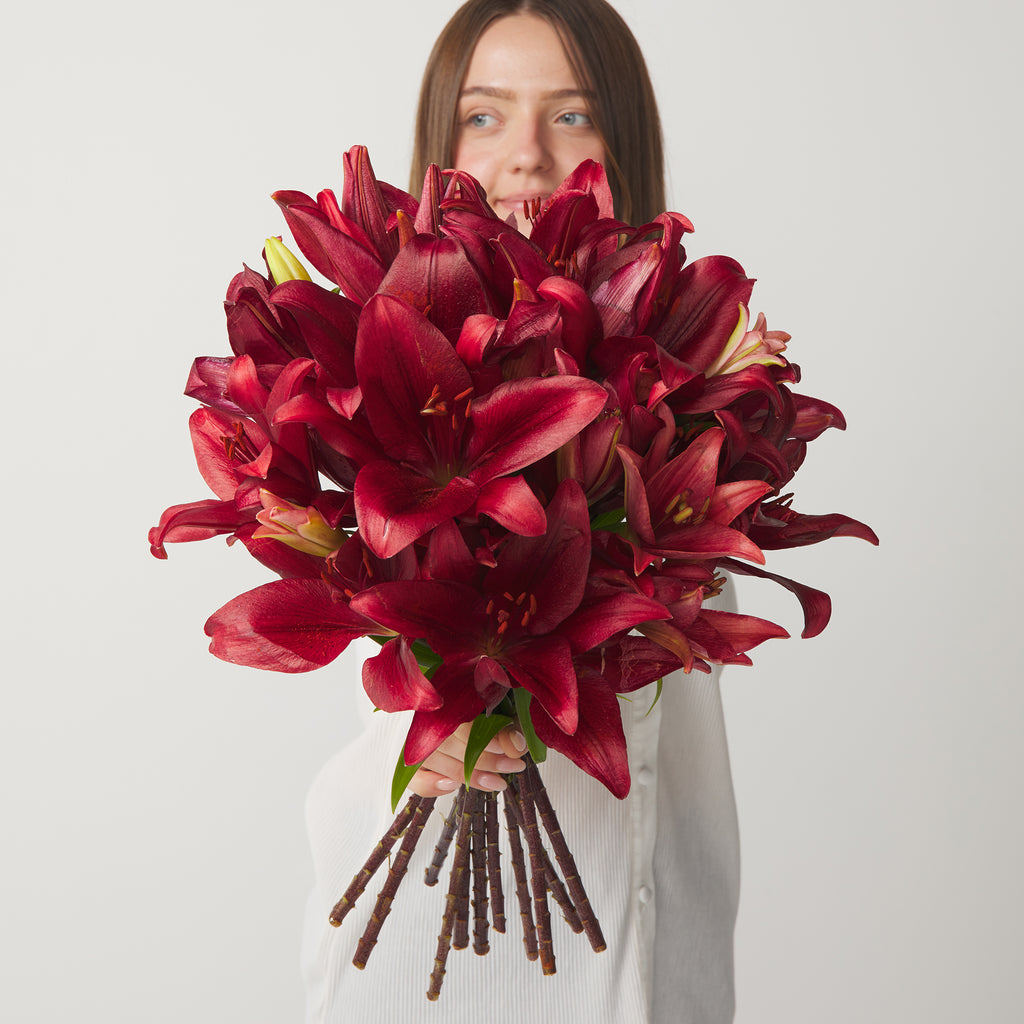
x: 604, y: 57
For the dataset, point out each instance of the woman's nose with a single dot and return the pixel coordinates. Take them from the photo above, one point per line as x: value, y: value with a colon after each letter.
x: 529, y: 151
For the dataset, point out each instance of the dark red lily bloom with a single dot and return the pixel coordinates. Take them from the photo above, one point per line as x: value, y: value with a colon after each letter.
x: 448, y: 450
x: 679, y: 511
x: 502, y: 632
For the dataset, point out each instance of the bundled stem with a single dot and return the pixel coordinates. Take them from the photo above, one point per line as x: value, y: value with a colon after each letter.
x: 565, y: 859
x: 481, y: 945
x: 538, y: 875
x: 494, y: 862
x: 374, y: 861
x: 472, y: 824
x: 519, y: 871
x: 555, y: 886
x: 451, y: 823
x: 444, y: 940
x: 460, y: 936
x: 394, y: 880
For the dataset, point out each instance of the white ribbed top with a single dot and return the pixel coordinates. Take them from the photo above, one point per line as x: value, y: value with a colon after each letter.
x: 661, y: 868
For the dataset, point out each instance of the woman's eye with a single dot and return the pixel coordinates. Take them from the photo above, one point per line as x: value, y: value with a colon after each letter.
x: 574, y: 119
x: 480, y: 120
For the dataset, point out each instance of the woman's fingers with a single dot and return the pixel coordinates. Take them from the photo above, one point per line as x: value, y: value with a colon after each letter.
x: 444, y: 770
x: 512, y: 741
x: 428, y: 783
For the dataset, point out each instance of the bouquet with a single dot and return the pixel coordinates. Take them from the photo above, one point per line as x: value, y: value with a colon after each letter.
x: 525, y: 466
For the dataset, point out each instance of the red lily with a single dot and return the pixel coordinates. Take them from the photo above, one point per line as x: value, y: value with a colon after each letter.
x: 503, y: 632
x: 679, y: 511
x: 446, y: 447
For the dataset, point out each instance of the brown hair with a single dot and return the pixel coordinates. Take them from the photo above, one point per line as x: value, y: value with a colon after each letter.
x: 604, y: 57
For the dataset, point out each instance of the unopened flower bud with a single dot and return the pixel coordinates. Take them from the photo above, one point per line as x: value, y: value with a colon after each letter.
x: 283, y: 263
x: 302, y: 528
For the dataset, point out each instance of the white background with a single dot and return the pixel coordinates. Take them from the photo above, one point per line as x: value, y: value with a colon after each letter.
x: 861, y: 159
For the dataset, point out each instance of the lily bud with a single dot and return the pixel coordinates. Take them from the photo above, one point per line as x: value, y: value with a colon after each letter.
x: 302, y: 528
x: 745, y: 348
x: 283, y: 263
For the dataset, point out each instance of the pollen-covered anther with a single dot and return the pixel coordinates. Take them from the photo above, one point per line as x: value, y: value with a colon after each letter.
x: 434, y: 406
x: 676, y: 502
x: 531, y: 608
x: 686, y: 512
x: 238, y: 446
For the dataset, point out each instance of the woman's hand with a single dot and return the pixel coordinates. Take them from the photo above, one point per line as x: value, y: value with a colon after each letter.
x: 444, y: 770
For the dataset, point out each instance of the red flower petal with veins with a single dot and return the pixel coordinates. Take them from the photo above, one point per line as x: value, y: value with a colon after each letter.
x: 288, y: 626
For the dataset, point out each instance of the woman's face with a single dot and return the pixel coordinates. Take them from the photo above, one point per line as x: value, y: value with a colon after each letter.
x: 523, y: 120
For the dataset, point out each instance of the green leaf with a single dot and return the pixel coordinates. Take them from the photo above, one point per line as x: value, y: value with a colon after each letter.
x: 428, y: 661
x: 657, y: 697
x: 483, y: 730
x: 402, y: 777
x: 608, y: 520
x: 533, y: 742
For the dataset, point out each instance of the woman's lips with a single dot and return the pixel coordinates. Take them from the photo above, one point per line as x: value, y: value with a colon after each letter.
x: 515, y: 202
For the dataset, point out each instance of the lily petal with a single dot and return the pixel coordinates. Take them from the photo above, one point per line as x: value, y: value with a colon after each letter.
x: 291, y: 625
x: 394, y: 681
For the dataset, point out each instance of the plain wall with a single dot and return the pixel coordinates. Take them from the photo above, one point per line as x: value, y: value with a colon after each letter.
x: 861, y: 160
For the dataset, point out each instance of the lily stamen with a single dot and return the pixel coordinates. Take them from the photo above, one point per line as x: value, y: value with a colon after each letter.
x: 239, y: 446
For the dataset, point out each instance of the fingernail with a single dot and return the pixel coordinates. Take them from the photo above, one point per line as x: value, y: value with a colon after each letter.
x: 489, y: 781
x: 445, y: 785
x: 509, y: 764
x: 519, y: 741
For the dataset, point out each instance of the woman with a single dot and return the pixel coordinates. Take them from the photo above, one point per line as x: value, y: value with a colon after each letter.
x: 515, y: 94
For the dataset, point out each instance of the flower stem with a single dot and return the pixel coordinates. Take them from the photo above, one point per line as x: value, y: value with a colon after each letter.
x: 481, y: 945
x: 519, y: 870
x: 460, y: 936
x: 444, y: 940
x: 451, y: 823
x: 565, y: 859
x: 394, y: 880
x: 494, y: 862
x: 374, y: 861
x: 538, y: 874
x: 555, y: 886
